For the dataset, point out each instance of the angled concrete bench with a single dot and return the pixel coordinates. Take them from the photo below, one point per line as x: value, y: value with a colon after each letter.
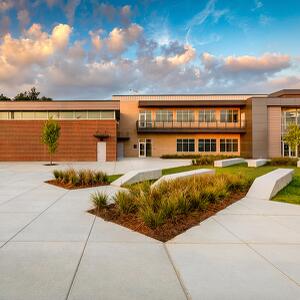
x: 228, y: 162
x: 267, y: 186
x: 183, y: 175
x: 137, y: 176
x: 254, y: 163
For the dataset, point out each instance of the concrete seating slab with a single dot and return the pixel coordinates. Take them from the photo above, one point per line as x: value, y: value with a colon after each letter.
x: 254, y: 163
x: 183, y: 175
x: 228, y: 162
x: 298, y: 163
x: 268, y: 185
x: 137, y: 176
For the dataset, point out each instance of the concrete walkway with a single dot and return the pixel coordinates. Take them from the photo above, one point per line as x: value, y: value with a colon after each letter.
x: 50, y: 248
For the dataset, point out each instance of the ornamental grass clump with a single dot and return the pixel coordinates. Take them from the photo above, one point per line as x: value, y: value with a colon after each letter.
x: 154, y: 206
x: 99, y: 199
x: 73, y: 178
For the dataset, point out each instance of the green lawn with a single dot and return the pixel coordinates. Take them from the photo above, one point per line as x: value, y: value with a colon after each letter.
x: 290, y: 194
x: 112, y: 178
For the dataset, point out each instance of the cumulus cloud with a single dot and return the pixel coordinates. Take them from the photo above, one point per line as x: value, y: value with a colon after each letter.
x: 5, y: 5
x: 67, y: 70
x: 267, y: 63
x: 70, y: 9
x: 33, y: 49
x: 118, y: 40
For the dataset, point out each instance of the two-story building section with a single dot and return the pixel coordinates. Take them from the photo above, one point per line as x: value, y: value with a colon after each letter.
x: 248, y: 125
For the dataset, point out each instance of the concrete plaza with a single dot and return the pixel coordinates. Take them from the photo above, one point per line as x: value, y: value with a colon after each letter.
x: 51, y: 248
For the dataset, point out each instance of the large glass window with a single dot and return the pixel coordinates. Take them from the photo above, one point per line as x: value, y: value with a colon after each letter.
x: 229, y: 115
x: 185, y: 145
x: 81, y: 114
x: 41, y: 115
x: 107, y: 115
x: 185, y: 116
x: 207, y: 115
x: 164, y: 116
x: 53, y: 114
x: 66, y: 114
x: 29, y: 115
x: 229, y: 145
x: 145, y: 118
x: 3, y: 115
x: 207, y: 145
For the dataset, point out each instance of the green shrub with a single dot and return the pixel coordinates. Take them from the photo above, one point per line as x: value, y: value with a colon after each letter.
x: 152, y: 218
x: 99, y: 199
x: 205, y: 160
x: 283, y: 161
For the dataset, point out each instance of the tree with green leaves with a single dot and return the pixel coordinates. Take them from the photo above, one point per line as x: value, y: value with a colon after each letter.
x: 4, y: 98
x: 31, y: 95
x: 292, y: 137
x: 50, y: 136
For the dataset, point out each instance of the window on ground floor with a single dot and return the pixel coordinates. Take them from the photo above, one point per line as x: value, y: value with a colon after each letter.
x: 207, y: 145
x: 229, y: 145
x: 185, y: 145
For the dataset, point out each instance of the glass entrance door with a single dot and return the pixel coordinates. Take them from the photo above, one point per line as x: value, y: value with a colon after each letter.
x: 145, y: 148
x: 142, y: 149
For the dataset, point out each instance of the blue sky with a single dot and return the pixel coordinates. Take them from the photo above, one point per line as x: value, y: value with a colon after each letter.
x: 148, y: 46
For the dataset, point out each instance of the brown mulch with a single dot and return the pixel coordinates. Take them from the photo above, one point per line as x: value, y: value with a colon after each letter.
x: 172, y: 227
x: 69, y: 186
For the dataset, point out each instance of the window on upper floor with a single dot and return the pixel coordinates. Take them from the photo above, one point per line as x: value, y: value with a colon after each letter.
x: 185, y: 116
x: 164, y: 116
x: 207, y: 115
x: 229, y: 115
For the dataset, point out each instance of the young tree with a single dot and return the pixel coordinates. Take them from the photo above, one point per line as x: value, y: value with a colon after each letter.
x: 50, y: 136
x: 292, y: 137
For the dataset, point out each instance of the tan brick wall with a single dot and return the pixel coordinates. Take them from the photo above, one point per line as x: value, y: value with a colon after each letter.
x: 274, y: 131
x: 166, y: 143
x: 21, y: 140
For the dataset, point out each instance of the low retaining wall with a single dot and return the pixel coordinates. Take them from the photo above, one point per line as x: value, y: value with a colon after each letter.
x: 137, y: 176
x: 228, y: 162
x: 183, y: 175
x: 267, y: 186
x: 254, y: 163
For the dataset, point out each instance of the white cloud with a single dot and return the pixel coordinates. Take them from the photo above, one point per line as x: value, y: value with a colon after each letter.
x: 5, y: 5
x: 66, y: 70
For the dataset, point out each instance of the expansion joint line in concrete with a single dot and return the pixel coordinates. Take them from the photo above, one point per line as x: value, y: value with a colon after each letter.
x: 34, y: 219
x: 80, y: 259
x: 259, y: 254
x: 187, y: 295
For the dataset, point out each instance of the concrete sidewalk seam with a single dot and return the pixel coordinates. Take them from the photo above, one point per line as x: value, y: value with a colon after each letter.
x: 185, y: 290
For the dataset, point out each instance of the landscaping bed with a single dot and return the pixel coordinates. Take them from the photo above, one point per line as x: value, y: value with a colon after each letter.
x: 174, y: 206
x: 73, y: 179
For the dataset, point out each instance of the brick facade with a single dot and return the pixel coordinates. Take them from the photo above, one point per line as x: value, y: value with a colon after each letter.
x: 21, y: 140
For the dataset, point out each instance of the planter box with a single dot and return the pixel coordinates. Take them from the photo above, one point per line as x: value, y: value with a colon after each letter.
x: 228, y: 162
x: 267, y: 186
x: 137, y: 176
x: 254, y: 163
x: 183, y: 175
